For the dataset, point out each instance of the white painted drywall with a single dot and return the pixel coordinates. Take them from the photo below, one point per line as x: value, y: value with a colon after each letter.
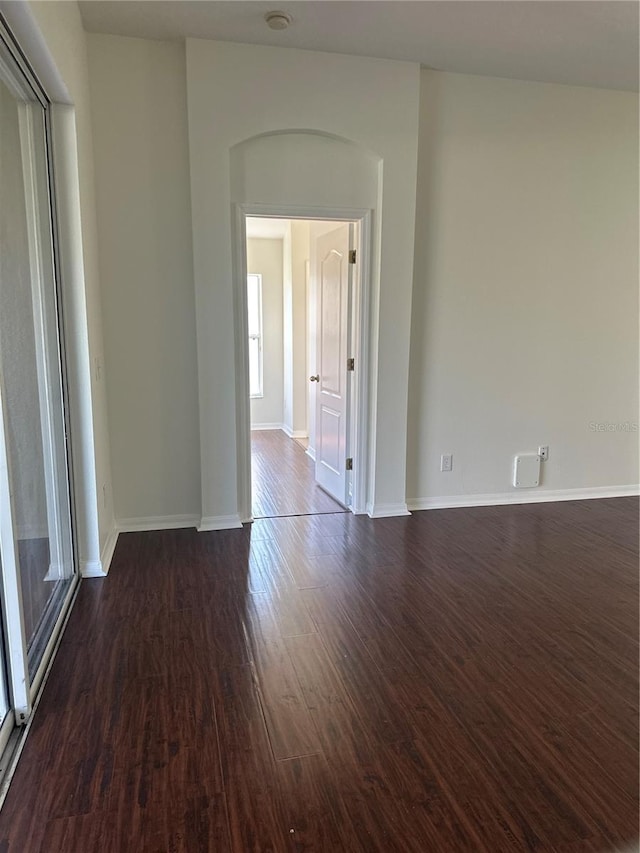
x: 265, y: 257
x: 66, y: 42
x: 524, y: 321
x: 525, y: 305
x: 238, y: 92
x: 144, y: 217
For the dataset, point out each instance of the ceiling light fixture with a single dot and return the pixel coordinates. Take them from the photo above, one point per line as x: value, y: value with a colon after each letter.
x: 277, y: 20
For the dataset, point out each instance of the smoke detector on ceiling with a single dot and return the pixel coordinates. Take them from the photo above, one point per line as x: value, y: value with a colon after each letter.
x: 277, y: 20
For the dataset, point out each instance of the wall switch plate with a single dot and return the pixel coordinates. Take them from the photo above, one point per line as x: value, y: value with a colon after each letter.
x: 543, y: 452
x: 446, y: 462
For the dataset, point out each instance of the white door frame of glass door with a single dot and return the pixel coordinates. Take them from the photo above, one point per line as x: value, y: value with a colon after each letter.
x: 22, y: 686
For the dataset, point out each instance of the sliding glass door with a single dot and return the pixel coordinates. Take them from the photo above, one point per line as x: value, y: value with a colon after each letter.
x: 36, y: 541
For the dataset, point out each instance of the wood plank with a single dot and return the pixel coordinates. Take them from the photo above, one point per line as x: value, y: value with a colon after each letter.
x: 256, y: 813
x: 283, y: 478
x: 289, y: 724
x: 455, y: 680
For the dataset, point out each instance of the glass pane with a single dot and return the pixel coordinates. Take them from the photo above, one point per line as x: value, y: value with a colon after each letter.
x: 255, y: 384
x: 253, y: 304
x: 30, y: 373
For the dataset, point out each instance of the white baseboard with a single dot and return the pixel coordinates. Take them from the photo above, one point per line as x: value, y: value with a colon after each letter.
x: 291, y: 433
x: 92, y: 569
x: 157, y: 522
x: 108, y: 549
x: 311, y: 453
x: 387, y: 510
x: 219, y: 522
x: 523, y: 497
x: 294, y: 433
x: 99, y: 568
x: 177, y: 522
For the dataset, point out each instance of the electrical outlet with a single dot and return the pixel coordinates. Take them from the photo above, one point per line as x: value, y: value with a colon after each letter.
x: 446, y: 462
x: 543, y: 452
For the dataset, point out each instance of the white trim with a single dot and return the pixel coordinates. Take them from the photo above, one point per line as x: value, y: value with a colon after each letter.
x: 219, y: 522
x: 311, y: 453
x: 15, y: 645
x: 61, y: 621
x: 76, y: 334
x: 363, y: 379
x: 362, y: 438
x: 387, y: 510
x: 7, y: 729
x: 92, y: 569
x: 109, y: 547
x: 290, y: 433
x: 173, y: 522
x: 157, y: 522
x: 504, y: 498
x: 241, y: 341
x: 41, y: 268
x: 294, y: 433
x: 100, y: 568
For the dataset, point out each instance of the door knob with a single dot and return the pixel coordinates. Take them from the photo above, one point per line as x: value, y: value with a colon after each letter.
x: 314, y: 378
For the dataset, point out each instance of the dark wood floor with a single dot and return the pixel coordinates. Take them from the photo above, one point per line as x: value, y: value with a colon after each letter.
x: 283, y: 478
x: 460, y: 680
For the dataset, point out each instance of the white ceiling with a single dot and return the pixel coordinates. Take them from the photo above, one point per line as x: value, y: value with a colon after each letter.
x: 579, y: 42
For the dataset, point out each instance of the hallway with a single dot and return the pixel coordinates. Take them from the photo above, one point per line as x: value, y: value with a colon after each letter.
x: 283, y: 479
x: 456, y: 680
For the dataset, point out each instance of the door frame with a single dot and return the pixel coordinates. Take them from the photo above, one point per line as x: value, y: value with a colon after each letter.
x: 360, y: 439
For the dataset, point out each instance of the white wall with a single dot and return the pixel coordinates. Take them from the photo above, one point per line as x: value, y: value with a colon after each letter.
x: 282, y: 263
x: 65, y: 41
x: 525, y: 306
x: 238, y: 92
x: 265, y: 256
x: 144, y: 216
x: 524, y: 318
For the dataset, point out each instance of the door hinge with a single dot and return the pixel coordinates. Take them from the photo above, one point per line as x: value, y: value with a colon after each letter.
x: 351, y: 364
x: 349, y: 464
x: 352, y: 256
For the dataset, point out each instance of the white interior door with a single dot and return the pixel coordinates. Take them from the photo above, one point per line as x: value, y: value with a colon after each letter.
x: 333, y: 300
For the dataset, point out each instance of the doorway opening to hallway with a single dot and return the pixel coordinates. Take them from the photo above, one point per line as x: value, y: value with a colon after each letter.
x: 302, y: 341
